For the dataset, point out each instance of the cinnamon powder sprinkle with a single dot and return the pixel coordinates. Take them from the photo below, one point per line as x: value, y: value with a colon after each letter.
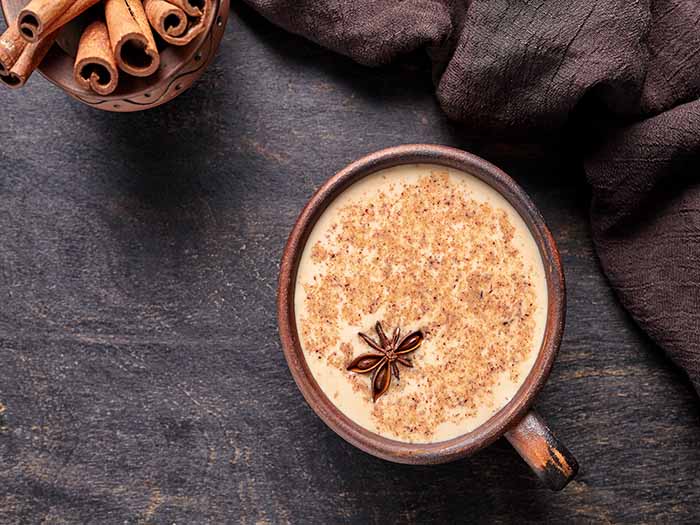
x: 423, y: 256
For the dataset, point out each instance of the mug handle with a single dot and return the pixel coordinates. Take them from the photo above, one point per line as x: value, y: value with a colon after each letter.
x: 539, y: 447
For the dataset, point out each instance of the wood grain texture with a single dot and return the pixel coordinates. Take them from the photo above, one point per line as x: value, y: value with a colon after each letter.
x: 140, y: 365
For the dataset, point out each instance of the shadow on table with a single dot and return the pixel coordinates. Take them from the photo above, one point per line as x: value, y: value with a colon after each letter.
x: 157, y: 163
x: 483, y: 487
x: 399, y: 81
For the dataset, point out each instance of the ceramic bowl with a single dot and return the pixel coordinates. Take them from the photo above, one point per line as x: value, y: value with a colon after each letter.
x: 180, y: 66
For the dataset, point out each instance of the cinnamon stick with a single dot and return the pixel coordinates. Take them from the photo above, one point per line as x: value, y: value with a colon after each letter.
x: 43, y: 17
x: 167, y: 19
x: 192, y: 32
x: 27, y: 62
x: 95, y: 66
x: 11, y: 46
x: 131, y: 37
x: 40, y: 14
x: 195, y: 27
x: 191, y: 7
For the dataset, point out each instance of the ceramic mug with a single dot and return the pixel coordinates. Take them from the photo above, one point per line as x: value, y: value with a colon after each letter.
x: 517, y: 421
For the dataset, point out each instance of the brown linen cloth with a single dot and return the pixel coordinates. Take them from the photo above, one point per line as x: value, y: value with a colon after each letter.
x: 517, y: 66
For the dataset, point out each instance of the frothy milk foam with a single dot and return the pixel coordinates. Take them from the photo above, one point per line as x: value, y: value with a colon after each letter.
x: 429, y: 248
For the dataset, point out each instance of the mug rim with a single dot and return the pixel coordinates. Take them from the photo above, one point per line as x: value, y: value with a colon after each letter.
x: 505, y: 418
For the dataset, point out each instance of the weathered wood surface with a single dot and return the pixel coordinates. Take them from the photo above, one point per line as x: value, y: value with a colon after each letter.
x: 139, y: 360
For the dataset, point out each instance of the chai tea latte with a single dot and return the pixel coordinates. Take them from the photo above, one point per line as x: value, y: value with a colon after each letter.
x: 443, y: 257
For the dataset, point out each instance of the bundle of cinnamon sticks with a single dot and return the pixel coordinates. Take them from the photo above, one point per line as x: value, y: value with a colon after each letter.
x: 119, y: 38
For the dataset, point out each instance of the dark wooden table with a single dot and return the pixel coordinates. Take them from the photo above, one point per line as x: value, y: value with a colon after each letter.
x: 139, y: 360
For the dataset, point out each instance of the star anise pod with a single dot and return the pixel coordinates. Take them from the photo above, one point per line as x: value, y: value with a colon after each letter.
x: 386, y: 362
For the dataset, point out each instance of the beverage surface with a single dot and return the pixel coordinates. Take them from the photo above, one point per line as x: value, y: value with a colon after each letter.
x: 426, y: 249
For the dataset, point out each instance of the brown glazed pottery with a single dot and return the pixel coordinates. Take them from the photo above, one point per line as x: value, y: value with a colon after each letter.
x: 517, y: 421
x: 180, y: 67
